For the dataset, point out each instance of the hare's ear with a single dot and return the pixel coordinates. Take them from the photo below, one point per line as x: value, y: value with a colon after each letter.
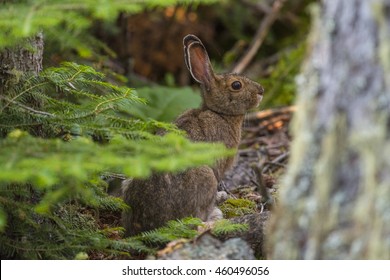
x: 197, y: 60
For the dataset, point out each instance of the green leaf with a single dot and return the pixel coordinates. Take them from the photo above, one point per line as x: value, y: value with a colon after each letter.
x: 165, y: 103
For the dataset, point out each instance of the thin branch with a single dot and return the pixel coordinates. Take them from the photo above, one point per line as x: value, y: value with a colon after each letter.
x: 111, y: 100
x: 20, y: 94
x: 270, y: 113
x: 26, y: 107
x: 266, y: 197
x: 261, y: 7
x: 261, y: 33
x: 277, y: 161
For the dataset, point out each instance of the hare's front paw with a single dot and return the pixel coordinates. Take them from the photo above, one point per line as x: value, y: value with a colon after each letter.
x: 221, y: 197
x: 215, y: 215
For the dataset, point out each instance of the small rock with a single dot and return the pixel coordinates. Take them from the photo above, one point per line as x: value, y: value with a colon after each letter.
x: 207, y: 247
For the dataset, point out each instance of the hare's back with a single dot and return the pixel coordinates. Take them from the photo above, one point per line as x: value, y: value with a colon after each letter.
x: 208, y: 126
x: 190, y: 122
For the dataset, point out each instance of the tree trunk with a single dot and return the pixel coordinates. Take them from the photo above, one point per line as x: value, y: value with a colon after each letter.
x: 23, y: 59
x: 15, y: 64
x: 335, y: 197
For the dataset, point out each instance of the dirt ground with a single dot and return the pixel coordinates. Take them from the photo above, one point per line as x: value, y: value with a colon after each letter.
x: 261, y: 158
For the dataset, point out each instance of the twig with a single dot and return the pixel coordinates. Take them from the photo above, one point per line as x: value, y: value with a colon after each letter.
x: 277, y: 146
x: 270, y: 113
x: 270, y: 124
x: 276, y: 161
x: 261, y: 32
x: 260, y: 7
x: 27, y: 108
x: 260, y: 186
x: 244, y: 152
x: 275, y: 164
x: 259, y: 68
x: 20, y: 94
x: 222, y: 186
x: 259, y: 140
x: 111, y: 100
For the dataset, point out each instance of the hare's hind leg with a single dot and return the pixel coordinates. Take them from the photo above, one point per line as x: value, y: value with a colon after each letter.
x: 200, y: 188
x: 216, y: 213
x: 127, y: 215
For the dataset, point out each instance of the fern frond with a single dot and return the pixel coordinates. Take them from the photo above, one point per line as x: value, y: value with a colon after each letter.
x: 223, y: 227
x: 184, y: 228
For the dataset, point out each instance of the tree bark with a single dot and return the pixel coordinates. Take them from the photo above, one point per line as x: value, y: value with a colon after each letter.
x: 335, y: 197
x: 23, y: 59
x: 15, y: 64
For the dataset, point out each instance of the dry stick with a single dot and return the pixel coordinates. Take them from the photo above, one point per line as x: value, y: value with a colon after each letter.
x: 224, y: 188
x: 270, y: 113
x: 261, y: 32
x: 277, y: 146
x: 276, y: 161
x: 250, y: 141
x: 270, y: 124
x: 260, y: 186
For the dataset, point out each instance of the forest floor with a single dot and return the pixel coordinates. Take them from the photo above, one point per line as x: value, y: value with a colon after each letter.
x: 261, y: 160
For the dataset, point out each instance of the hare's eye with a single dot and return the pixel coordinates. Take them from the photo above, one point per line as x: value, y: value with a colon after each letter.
x: 236, y: 85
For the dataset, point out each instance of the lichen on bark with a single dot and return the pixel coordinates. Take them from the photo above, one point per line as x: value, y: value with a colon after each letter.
x: 335, y: 197
x: 25, y: 58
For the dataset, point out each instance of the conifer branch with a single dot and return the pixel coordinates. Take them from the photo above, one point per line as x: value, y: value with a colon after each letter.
x: 26, y: 107
x: 111, y: 100
x: 46, y: 181
x: 21, y: 93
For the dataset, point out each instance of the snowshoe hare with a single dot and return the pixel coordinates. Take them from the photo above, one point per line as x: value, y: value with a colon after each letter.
x: 164, y: 197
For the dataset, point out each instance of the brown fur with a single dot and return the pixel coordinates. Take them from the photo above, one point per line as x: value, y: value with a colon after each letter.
x: 166, y: 197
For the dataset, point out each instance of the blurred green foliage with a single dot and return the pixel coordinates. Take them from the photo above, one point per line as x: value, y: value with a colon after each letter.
x: 280, y: 85
x: 165, y: 103
x: 67, y: 21
x: 83, y: 127
x: 48, y: 162
x: 280, y: 56
x: 61, y: 130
